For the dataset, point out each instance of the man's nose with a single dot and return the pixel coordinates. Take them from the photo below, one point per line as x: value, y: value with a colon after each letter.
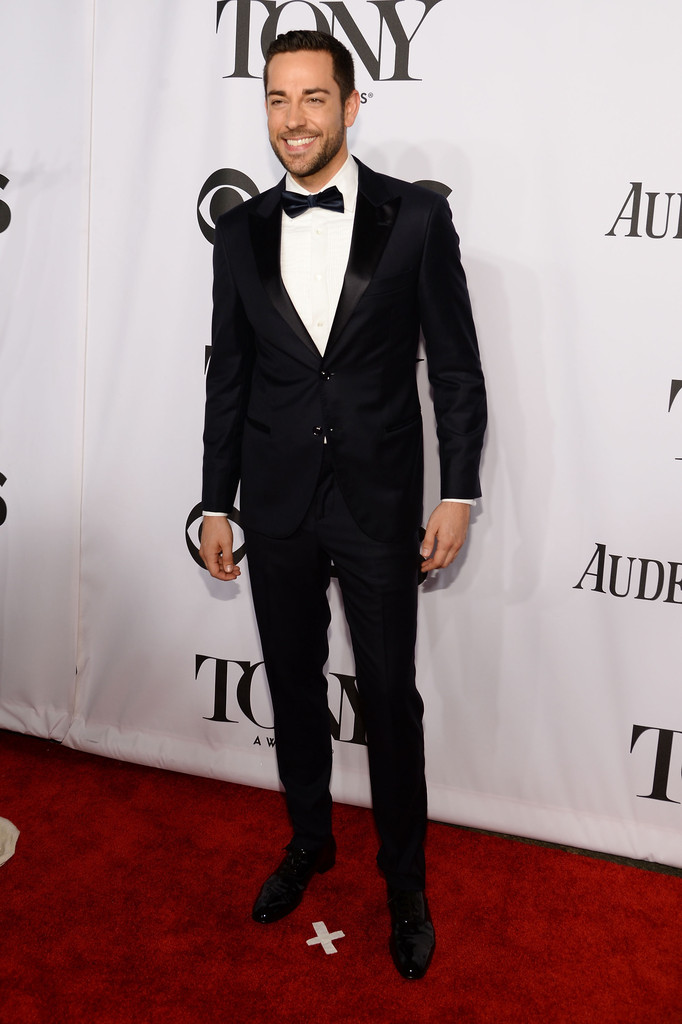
x: 295, y: 116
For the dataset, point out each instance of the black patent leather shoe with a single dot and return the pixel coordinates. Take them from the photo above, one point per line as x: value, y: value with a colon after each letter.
x: 413, y: 938
x: 283, y: 890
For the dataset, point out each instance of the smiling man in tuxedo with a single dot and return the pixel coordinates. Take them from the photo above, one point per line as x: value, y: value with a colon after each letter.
x: 321, y: 287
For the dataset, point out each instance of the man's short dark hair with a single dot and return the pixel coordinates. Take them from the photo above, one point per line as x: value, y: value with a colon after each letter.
x: 301, y: 39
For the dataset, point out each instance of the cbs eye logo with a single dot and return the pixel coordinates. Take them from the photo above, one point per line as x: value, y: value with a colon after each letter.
x: 3, y: 506
x: 193, y: 535
x: 230, y: 188
x: 435, y: 186
x: 5, y: 212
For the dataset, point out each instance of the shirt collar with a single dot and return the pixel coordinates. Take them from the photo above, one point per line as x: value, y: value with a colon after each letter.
x: 345, y: 179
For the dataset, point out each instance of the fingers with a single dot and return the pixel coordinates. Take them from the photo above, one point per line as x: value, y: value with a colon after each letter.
x: 222, y: 567
x: 227, y: 570
x: 442, y: 556
x: 429, y: 539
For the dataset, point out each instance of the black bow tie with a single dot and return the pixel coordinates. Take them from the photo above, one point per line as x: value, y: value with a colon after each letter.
x: 295, y: 203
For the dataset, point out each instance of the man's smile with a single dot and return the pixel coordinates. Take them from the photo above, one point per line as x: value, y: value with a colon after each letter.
x: 300, y: 141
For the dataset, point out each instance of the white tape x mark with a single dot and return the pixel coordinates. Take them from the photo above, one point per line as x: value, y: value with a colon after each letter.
x: 324, y: 937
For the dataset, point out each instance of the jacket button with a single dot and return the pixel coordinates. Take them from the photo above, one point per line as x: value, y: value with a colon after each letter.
x: 325, y: 375
x: 317, y: 431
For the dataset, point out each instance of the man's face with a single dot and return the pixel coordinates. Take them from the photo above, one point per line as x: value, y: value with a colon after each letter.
x: 306, y: 120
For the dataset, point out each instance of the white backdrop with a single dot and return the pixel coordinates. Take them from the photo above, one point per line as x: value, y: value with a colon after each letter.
x: 45, y: 85
x: 538, y: 119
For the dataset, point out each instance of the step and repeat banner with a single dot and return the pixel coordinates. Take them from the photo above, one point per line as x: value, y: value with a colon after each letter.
x: 45, y: 105
x: 547, y: 655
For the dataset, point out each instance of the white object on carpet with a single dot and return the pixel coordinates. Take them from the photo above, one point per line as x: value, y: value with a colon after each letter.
x: 9, y: 834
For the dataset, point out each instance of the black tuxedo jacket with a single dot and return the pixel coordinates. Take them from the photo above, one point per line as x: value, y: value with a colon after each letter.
x: 272, y: 398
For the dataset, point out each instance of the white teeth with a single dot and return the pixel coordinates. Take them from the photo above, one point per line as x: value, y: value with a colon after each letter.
x: 299, y: 142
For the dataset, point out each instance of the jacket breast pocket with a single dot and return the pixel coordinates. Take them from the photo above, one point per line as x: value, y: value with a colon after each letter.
x: 390, y: 284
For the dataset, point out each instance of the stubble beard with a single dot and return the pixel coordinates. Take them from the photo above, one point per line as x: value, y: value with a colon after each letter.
x: 317, y: 162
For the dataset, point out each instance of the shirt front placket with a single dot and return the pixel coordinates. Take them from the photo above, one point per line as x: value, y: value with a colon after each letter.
x: 318, y: 277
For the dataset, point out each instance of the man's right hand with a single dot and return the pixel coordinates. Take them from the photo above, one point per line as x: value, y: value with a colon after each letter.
x: 216, y: 548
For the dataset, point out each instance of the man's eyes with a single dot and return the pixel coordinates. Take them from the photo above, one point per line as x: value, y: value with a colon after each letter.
x: 317, y: 100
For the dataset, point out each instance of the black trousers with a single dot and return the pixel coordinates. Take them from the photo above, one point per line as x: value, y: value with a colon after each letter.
x: 289, y: 582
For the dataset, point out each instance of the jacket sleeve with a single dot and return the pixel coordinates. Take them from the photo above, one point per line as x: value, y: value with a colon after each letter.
x: 227, y: 384
x: 454, y: 364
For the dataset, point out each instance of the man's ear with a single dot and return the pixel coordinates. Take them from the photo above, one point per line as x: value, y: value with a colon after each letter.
x: 351, y: 108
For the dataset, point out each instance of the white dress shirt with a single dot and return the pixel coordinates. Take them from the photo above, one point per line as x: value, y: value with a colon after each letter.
x: 314, y: 254
x: 313, y: 257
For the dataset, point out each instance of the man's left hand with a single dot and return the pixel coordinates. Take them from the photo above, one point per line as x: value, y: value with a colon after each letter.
x: 446, y: 531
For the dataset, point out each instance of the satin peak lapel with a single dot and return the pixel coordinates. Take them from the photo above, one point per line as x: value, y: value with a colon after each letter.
x: 266, y: 235
x: 371, y: 231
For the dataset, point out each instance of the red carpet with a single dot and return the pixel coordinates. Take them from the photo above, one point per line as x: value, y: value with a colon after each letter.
x: 129, y: 899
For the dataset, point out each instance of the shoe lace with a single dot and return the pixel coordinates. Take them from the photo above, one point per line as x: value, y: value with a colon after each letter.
x: 406, y: 905
x: 295, y: 861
